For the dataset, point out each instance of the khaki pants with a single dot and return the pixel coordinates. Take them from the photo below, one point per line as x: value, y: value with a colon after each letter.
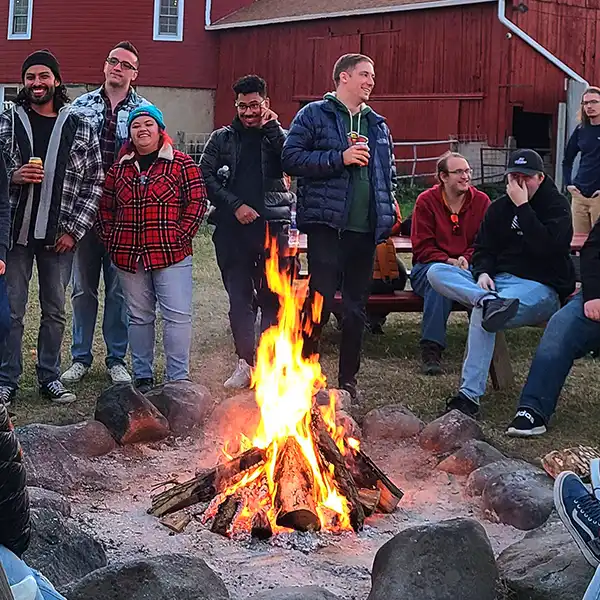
x: 585, y: 212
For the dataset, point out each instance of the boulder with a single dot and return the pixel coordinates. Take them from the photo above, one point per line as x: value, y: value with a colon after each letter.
x: 185, y: 405
x: 41, y: 498
x: 350, y: 426
x: 60, y: 549
x: 479, y: 478
x: 545, y: 565
x: 473, y: 455
x: 343, y: 400
x: 85, y: 439
x: 449, y: 560
x: 296, y: 593
x: 394, y: 422
x: 129, y: 416
x: 522, y: 499
x: 168, y: 577
x: 449, y: 432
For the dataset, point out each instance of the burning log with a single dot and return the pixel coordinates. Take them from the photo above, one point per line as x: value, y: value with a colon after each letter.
x: 294, y: 501
x: 261, y: 527
x: 369, y: 499
x: 330, y: 453
x: 223, y: 521
x: 206, y: 486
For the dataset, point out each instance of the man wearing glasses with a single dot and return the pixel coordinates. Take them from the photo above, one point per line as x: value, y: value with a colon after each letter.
x: 107, y: 110
x: 445, y: 221
x: 520, y: 271
x: 241, y: 165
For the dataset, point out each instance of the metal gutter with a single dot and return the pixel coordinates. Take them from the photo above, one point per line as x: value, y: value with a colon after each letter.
x: 347, y: 13
x: 207, y: 14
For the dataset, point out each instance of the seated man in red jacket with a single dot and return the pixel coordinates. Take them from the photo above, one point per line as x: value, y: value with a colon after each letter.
x: 445, y: 222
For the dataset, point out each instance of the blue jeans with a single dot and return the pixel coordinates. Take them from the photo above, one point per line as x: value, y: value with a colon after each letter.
x: 90, y: 258
x: 538, y: 302
x: 171, y: 288
x: 436, y: 308
x: 16, y: 571
x: 593, y: 590
x: 569, y: 335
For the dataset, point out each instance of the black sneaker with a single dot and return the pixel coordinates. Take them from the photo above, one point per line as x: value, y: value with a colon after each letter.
x: 7, y: 394
x: 497, y: 312
x: 431, y: 358
x: 526, y: 424
x: 144, y: 384
x: 351, y: 389
x: 57, y: 392
x: 464, y: 404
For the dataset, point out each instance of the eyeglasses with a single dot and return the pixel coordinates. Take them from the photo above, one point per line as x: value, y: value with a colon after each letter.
x: 455, y: 224
x: 590, y: 102
x: 461, y: 172
x: 113, y: 62
x: 253, y: 106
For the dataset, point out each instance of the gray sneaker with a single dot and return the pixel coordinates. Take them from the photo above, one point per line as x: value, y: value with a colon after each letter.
x: 75, y: 373
x: 118, y: 374
x: 240, y: 379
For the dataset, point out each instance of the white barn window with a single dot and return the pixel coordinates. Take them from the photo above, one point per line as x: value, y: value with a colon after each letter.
x: 19, y: 19
x: 168, y: 20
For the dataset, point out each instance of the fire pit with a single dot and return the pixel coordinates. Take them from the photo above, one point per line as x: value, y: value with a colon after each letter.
x: 300, y: 470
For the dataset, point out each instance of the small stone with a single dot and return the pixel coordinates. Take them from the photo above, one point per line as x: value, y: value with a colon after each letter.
x: 41, y: 498
x: 186, y: 405
x: 479, y: 478
x: 471, y: 456
x: 522, y: 499
x: 129, y: 417
x: 394, y: 422
x: 296, y: 593
x: 449, y: 432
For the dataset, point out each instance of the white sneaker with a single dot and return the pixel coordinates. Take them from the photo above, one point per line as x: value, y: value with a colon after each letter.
x: 75, y: 373
x: 118, y: 373
x: 240, y: 378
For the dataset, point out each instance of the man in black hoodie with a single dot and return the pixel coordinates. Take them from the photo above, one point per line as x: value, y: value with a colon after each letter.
x: 241, y: 165
x: 520, y: 271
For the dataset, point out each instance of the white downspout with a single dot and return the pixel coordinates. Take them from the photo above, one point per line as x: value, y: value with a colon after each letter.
x: 529, y: 40
x: 207, y: 14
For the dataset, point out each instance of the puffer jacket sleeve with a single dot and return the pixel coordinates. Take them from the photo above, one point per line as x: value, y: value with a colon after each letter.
x: 300, y: 157
x: 15, y: 527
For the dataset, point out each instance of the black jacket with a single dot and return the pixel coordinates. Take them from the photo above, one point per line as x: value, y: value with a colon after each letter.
x: 223, y: 149
x: 15, y: 528
x: 532, y: 241
x: 590, y: 265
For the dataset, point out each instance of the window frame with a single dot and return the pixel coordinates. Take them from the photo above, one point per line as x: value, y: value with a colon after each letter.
x: 11, y: 19
x: 163, y: 37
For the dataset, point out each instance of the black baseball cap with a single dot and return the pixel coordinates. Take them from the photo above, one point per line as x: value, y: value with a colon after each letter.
x: 527, y: 162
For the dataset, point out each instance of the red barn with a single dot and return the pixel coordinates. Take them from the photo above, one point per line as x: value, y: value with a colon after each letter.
x: 445, y: 68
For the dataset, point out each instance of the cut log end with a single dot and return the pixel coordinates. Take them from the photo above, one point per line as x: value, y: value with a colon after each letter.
x: 176, y: 522
x: 369, y: 500
x: 261, y: 526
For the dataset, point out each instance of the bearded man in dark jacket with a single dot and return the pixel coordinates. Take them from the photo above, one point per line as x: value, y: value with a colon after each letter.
x: 241, y: 165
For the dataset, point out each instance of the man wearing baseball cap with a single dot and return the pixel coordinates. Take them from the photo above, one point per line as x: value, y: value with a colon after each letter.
x: 54, y: 199
x: 520, y: 271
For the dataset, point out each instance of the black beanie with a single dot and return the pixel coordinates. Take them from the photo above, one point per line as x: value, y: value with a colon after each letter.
x: 41, y: 57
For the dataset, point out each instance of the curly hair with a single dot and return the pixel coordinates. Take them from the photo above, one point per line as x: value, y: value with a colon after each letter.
x: 61, y: 97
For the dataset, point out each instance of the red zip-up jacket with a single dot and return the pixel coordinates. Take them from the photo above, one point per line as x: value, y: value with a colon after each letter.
x: 432, y: 235
x: 155, y: 217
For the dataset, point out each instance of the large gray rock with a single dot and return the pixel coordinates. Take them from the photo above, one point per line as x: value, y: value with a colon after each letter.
x: 394, y: 422
x: 450, y: 560
x: 296, y: 593
x: 342, y: 399
x: 479, y: 478
x: 41, y: 498
x: 522, y: 499
x: 60, y: 549
x: 169, y: 577
x: 449, y: 432
x: 545, y: 565
x: 186, y: 405
x: 129, y: 417
x: 473, y: 455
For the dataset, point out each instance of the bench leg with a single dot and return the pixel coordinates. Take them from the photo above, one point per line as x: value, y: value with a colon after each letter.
x: 501, y: 370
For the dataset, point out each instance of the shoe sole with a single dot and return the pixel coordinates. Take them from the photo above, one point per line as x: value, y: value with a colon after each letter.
x: 595, y: 476
x: 566, y: 519
x: 526, y: 433
x: 69, y: 381
x: 69, y: 399
x: 494, y: 323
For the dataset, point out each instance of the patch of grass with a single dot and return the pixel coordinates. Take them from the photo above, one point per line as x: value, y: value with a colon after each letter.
x: 389, y: 372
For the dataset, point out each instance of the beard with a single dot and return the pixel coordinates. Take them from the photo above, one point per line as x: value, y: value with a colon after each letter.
x: 47, y: 97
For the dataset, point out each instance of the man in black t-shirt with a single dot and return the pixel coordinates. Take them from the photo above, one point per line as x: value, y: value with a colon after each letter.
x: 53, y: 205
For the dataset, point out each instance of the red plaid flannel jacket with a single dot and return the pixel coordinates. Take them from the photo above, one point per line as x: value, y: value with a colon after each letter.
x: 152, y: 217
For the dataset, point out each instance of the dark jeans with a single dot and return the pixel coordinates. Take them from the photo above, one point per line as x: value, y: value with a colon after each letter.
x: 352, y: 255
x: 241, y: 258
x: 54, y: 272
x: 569, y: 335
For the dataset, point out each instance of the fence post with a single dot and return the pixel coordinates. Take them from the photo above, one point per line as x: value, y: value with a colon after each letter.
x: 180, y: 140
x: 414, y: 166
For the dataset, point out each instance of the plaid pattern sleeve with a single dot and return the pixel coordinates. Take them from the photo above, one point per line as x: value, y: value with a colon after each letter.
x: 12, y: 157
x: 195, y: 202
x: 106, y: 208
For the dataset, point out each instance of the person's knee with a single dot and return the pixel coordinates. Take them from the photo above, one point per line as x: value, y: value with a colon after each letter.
x: 436, y: 273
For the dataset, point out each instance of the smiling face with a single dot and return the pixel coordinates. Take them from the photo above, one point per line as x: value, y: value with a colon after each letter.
x: 40, y: 84
x: 531, y: 182
x: 250, y: 109
x: 145, y: 134
x: 359, y: 81
x: 457, y: 176
x: 124, y: 72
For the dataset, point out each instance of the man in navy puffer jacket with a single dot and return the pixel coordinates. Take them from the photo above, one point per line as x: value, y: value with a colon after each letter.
x: 341, y: 152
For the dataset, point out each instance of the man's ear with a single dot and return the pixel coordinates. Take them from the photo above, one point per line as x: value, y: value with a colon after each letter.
x: 267, y: 102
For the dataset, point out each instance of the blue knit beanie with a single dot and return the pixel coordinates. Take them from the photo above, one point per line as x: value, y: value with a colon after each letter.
x: 149, y: 110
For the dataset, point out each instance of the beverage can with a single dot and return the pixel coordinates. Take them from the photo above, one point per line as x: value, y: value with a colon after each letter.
x: 36, y: 160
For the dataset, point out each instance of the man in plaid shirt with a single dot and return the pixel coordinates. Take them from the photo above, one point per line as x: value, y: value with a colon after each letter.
x: 54, y: 201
